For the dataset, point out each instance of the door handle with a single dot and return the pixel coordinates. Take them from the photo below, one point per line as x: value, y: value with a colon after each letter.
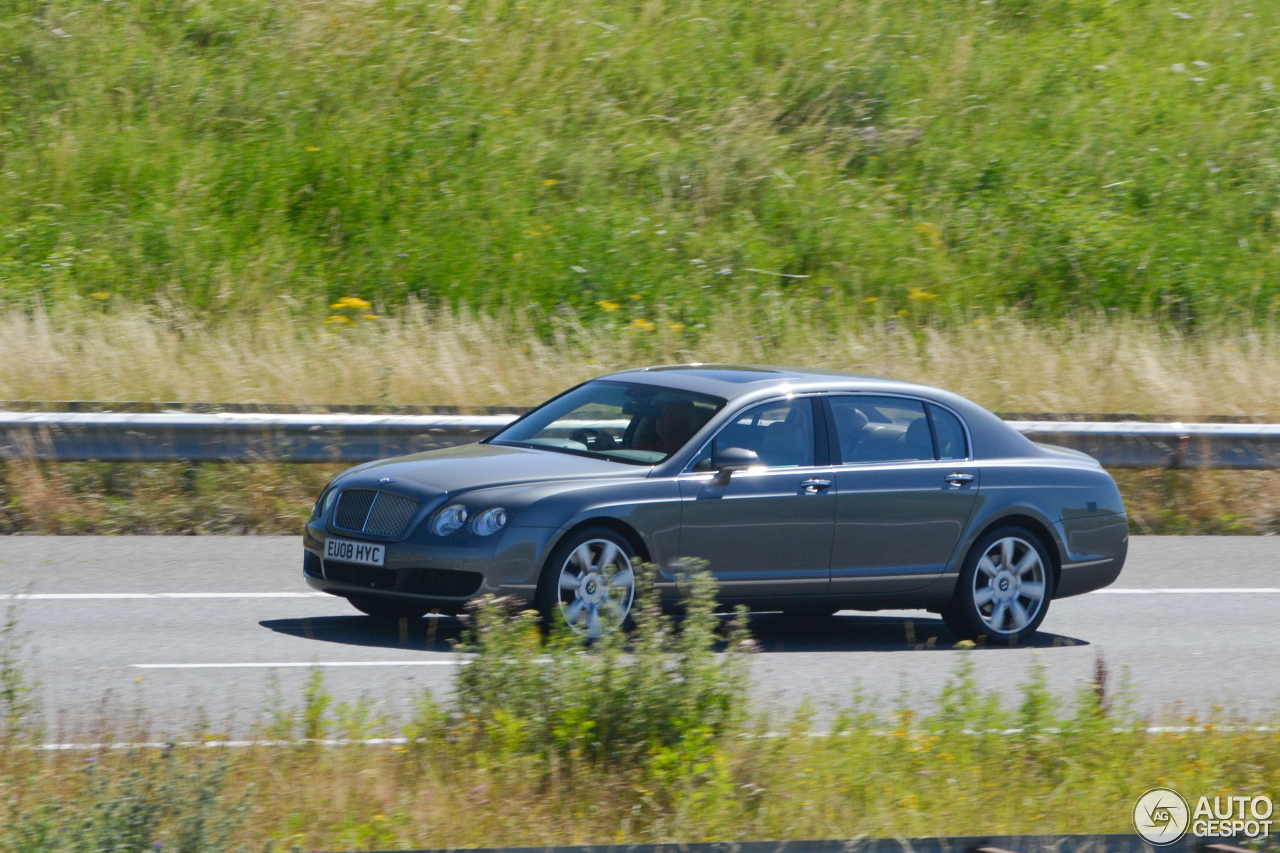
x: 812, y: 487
x: 958, y: 479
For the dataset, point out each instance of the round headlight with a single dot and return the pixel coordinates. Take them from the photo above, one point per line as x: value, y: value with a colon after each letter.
x: 449, y: 520
x: 489, y: 522
x: 323, y: 503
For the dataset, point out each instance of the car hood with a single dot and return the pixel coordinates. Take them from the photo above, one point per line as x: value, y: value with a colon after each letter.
x: 477, y: 466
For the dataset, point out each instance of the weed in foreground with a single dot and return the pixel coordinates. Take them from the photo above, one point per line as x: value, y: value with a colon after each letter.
x: 550, y: 740
x: 17, y: 707
x: 656, y: 700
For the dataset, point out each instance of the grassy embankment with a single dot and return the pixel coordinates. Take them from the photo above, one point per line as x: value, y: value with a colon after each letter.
x: 868, y: 185
x: 589, y: 746
x: 881, y: 157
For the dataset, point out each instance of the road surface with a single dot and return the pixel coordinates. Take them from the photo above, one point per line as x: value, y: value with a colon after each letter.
x: 165, y: 630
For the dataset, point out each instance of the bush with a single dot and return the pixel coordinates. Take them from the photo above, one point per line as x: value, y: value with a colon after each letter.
x: 657, y: 699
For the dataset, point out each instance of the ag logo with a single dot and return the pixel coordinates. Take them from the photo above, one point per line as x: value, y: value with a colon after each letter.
x: 1161, y: 816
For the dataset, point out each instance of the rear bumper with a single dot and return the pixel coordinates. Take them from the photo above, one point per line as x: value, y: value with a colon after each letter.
x: 1095, y: 554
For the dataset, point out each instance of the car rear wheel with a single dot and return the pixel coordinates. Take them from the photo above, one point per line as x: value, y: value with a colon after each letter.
x: 386, y: 610
x: 1003, y: 591
x: 590, y: 582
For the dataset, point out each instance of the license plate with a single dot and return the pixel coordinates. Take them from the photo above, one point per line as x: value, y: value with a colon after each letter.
x: 364, y: 553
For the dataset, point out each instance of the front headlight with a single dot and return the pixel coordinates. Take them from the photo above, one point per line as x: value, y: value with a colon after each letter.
x: 489, y: 522
x: 449, y: 520
x: 323, y: 503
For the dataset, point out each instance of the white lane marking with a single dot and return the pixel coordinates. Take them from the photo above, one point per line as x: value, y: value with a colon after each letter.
x: 87, y: 596
x: 400, y: 741
x: 295, y: 664
x: 1194, y: 590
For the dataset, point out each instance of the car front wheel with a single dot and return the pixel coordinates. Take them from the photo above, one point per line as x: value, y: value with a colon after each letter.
x: 1003, y: 591
x: 590, y: 582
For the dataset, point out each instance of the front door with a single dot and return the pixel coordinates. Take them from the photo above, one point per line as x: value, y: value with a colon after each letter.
x: 766, y: 531
x: 901, y: 510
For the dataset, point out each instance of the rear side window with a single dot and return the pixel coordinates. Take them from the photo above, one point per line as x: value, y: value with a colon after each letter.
x: 881, y: 429
x: 951, y: 443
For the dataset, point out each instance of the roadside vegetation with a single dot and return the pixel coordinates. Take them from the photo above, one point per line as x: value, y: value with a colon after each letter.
x: 545, y: 741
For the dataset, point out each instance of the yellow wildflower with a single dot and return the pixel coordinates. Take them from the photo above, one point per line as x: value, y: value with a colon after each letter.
x: 640, y: 324
x: 312, y: 148
x: 871, y: 299
x: 354, y: 302
x: 370, y: 316
x: 930, y: 232
x: 101, y: 295
x: 550, y: 182
x: 676, y: 327
x: 607, y: 306
x: 915, y: 294
x: 636, y: 296
x: 338, y: 320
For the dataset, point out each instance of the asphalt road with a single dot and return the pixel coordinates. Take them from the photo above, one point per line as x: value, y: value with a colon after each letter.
x: 164, y: 630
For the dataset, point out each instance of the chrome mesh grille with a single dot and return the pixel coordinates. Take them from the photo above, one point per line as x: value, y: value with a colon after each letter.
x: 390, y: 515
x: 371, y: 511
x: 353, y: 509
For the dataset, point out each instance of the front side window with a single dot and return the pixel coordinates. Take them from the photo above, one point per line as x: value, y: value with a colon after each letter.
x: 639, y: 424
x: 780, y: 433
x: 881, y: 429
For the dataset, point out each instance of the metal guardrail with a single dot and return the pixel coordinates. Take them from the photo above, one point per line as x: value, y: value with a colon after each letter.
x: 1163, y: 445
x: 261, y: 437
x: 233, y: 437
x: 964, y: 844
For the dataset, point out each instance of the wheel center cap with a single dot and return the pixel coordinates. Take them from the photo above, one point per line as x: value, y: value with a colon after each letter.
x: 592, y: 587
x: 1005, y: 586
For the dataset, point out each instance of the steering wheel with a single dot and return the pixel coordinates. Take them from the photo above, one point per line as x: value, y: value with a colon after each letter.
x: 594, y: 439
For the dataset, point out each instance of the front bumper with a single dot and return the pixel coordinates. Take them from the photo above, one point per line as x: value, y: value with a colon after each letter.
x: 440, y: 575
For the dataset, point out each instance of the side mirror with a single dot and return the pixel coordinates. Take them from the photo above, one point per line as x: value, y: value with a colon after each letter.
x: 733, y: 459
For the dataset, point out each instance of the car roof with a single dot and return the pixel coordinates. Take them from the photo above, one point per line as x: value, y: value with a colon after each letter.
x: 992, y: 437
x: 738, y: 380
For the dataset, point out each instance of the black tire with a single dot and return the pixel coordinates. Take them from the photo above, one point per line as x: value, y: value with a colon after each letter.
x: 973, y: 613
x: 550, y: 597
x: 387, y: 610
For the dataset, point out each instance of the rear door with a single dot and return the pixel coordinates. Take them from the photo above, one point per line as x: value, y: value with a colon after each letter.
x: 905, y: 490
x: 767, y: 531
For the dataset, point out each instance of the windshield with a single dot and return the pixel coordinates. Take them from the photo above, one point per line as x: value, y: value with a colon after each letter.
x: 638, y: 424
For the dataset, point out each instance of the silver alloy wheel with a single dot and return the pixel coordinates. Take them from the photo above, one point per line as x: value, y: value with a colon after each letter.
x: 597, y: 586
x: 1009, y: 585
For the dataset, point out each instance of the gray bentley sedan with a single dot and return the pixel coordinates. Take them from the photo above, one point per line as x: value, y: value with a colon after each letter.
x: 804, y: 491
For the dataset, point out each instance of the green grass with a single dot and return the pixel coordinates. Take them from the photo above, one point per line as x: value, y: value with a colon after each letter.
x: 935, y: 157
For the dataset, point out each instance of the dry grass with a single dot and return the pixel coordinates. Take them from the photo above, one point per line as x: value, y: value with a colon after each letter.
x: 470, y: 359
x: 420, y: 356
